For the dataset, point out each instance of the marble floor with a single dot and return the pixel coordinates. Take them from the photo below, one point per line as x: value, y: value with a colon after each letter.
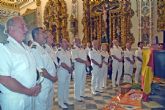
x: 97, y: 102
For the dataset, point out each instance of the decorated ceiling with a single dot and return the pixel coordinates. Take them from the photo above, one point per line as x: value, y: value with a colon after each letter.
x: 14, y: 4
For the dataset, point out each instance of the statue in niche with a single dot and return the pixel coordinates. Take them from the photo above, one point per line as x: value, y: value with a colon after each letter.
x: 145, y: 39
x: 74, y: 8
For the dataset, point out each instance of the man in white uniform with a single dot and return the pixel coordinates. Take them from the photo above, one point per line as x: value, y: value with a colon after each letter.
x: 96, y: 62
x: 104, y: 69
x: 49, y: 47
x: 64, y: 74
x: 138, y: 59
x: 47, y: 69
x: 117, y: 64
x: 79, y: 57
x: 87, y: 49
x: 128, y: 63
x: 49, y: 44
x: 17, y: 69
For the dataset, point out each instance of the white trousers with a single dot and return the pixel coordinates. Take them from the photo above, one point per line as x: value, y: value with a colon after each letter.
x: 82, y: 92
x: 95, y: 78
x: 138, y: 71
x: 79, y: 80
x: 16, y: 101
x: 128, y: 71
x: 104, y: 72
x: 44, y: 100
x: 117, y: 67
x: 63, y: 86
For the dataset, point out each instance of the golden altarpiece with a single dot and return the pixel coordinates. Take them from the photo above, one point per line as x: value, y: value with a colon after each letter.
x: 55, y: 19
x: 96, y: 15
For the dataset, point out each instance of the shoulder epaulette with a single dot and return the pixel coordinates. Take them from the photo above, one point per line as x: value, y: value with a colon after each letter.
x: 34, y: 46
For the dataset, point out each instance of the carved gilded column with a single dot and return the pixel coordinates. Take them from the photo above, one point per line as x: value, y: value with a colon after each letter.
x: 39, y: 17
x: 126, y: 14
x: 114, y: 26
x: 123, y: 30
x: 55, y: 19
x: 99, y: 26
x: 86, y: 21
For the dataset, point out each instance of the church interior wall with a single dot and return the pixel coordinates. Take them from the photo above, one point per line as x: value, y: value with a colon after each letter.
x: 135, y: 21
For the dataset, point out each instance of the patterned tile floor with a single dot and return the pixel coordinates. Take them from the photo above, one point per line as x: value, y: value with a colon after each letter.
x: 97, y: 102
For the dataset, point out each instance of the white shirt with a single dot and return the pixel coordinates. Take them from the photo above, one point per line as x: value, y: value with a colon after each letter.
x: 105, y: 55
x: 87, y: 50
x: 64, y: 57
x: 95, y: 55
x: 138, y: 53
x: 129, y: 54
x: 17, y: 62
x: 116, y: 51
x: 50, y: 51
x: 43, y: 59
x: 38, y: 53
x: 79, y: 53
x: 49, y: 64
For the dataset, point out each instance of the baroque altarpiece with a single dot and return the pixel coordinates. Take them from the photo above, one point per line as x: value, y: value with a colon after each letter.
x: 55, y: 19
x: 109, y: 17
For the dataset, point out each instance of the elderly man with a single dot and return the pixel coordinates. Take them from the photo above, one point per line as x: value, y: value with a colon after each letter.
x: 17, y: 69
x: 64, y: 74
x: 96, y: 62
x: 128, y: 63
x: 138, y: 59
x: 46, y: 67
x: 79, y: 57
x: 117, y: 64
x: 104, y: 69
x: 49, y: 44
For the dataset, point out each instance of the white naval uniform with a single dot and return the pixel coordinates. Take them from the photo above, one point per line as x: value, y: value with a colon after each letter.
x: 50, y: 51
x: 79, y: 71
x: 116, y: 65
x: 104, y: 69
x: 18, y: 63
x: 95, y: 55
x: 63, y: 76
x: 44, y: 99
x: 128, y: 67
x: 138, y: 53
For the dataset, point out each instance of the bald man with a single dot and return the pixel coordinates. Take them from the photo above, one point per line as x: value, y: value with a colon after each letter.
x: 64, y: 74
x: 79, y: 57
x: 138, y: 59
x: 17, y: 69
x: 96, y: 62
x: 128, y: 63
x: 117, y: 64
x: 104, y: 69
